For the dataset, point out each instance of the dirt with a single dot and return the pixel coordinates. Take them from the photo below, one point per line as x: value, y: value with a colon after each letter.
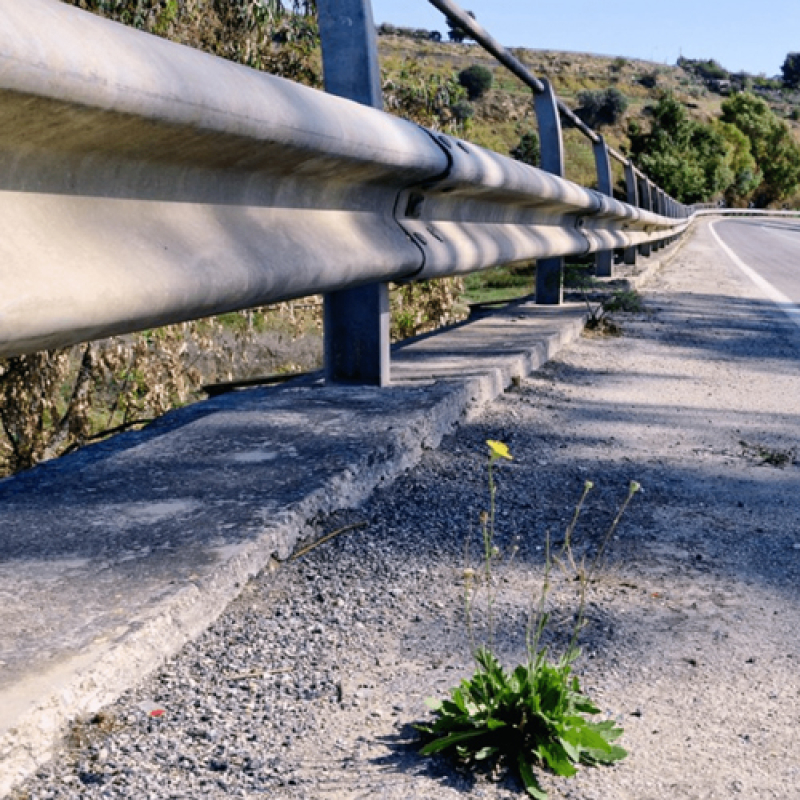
x: 693, y: 645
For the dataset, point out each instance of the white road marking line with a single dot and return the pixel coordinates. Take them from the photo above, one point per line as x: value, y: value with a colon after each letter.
x: 779, y: 298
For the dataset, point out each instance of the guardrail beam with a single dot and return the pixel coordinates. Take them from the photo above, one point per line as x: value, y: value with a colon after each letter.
x: 173, y: 185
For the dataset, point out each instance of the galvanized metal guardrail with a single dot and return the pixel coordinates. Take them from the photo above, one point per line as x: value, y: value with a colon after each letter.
x: 144, y: 183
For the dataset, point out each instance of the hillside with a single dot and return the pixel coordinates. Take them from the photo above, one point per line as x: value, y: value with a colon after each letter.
x: 506, y: 111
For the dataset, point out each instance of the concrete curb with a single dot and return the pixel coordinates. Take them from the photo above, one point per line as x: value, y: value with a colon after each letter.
x: 120, y: 553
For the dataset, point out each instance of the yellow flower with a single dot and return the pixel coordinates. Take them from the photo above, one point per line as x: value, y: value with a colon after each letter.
x: 498, y: 450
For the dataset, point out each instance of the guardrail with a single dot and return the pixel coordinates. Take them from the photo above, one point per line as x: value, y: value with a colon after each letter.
x: 144, y: 183
x: 742, y: 212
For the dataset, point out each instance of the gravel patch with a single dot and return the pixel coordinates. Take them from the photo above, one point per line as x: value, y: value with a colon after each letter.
x: 310, y: 683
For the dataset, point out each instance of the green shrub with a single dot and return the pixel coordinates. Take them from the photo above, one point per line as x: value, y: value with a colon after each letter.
x: 601, y: 106
x: 280, y: 37
x: 477, y: 80
x: 528, y: 150
x: 707, y: 69
x: 462, y: 111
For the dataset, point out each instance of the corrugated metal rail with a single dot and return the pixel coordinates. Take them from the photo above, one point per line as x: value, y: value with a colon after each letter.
x: 144, y: 183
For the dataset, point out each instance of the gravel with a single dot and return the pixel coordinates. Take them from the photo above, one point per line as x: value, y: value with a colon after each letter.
x: 310, y: 684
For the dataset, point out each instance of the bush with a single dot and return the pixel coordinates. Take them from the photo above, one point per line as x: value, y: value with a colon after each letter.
x: 462, y: 111
x: 601, y: 106
x: 528, y: 151
x: 618, y: 64
x: 708, y: 69
x: 422, y: 97
x: 477, y: 80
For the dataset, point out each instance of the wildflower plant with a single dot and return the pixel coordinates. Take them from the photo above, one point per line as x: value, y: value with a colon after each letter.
x: 534, y: 716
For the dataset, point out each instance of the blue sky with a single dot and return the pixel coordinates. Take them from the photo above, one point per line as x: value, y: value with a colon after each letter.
x: 740, y: 34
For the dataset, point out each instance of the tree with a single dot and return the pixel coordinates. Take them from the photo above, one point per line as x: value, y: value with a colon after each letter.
x: 775, y: 150
x: 791, y: 70
x: 746, y: 174
x: 477, y: 80
x: 455, y: 32
x: 689, y: 160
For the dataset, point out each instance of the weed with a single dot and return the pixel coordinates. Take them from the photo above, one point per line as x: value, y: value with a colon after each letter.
x: 597, y: 321
x: 626, y: 300
x: 770, y: 456
x: 534, y: 716
x: 599, y: 304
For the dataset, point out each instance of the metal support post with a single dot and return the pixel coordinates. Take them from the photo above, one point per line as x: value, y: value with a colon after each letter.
x: 655, y: 206
x: 549, y: 271
x: 646, y: 204
x: 604, y: 260
x: 660, y: 209
x: 632, y: 192
x: 356, y: 321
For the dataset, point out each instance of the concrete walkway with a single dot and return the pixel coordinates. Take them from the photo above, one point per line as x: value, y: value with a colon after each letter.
x: 113, y: 557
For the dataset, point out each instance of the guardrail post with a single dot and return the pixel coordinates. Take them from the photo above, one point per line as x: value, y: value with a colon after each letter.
x: 356, y: 321
x: 549, y: 271
x: 660, y: 208
x: 654, y: 207
x: 646, y: 204
x: 604, y: 260
x: 632, y: 196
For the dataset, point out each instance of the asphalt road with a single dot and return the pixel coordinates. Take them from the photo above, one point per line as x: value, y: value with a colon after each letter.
x: 768, y: 252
